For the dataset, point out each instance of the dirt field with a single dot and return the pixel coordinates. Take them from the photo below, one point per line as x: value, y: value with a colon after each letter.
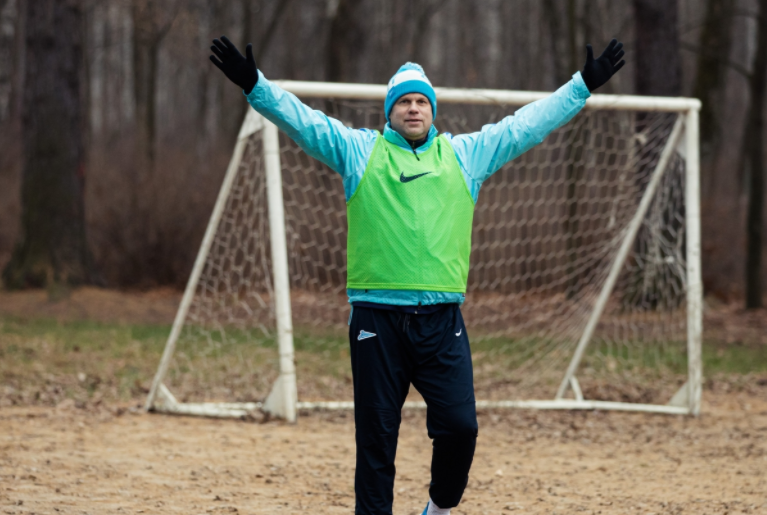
x: 72, y: 440
x: 70, y: 460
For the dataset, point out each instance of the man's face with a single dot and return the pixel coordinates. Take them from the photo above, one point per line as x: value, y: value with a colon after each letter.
x: 411, y: 116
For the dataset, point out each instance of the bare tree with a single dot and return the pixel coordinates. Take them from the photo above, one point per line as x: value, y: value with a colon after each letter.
x: 345, y: 38
x: 152, y: 20
x: 658, y: 63
x: 8, y: 16
x: 151, y: 24
x: 659, y: 73
x: 562, y: 19
x: 424, y: 11
x: 11, y: 71
x: 754, y: 158
x: 52, y: 247
x: 712, y: 65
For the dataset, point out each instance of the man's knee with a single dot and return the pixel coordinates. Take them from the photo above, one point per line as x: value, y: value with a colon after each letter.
x: 453, y: 422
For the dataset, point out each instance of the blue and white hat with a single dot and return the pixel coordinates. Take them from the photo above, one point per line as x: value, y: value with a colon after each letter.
x: 410, y: 78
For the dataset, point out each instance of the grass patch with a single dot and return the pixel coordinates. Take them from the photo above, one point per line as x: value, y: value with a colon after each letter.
x: 44, y: 360
x: 634, y: 356
x: 734, y: 359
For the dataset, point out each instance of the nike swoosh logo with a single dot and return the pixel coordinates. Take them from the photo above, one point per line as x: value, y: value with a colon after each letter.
x: 404, y: 178
x: 459, y: 332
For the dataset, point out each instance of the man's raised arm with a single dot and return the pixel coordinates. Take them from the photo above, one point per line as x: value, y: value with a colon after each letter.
x: 322, y: 137
x: 483, y: 153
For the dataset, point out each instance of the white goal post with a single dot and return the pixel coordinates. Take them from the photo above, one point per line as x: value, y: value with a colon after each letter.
x: 586, y: 264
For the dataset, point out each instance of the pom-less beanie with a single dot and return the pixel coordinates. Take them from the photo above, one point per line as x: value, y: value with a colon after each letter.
x: 410, y: 78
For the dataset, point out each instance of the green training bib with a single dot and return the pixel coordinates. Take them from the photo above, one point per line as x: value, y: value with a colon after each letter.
x: 410, y: 221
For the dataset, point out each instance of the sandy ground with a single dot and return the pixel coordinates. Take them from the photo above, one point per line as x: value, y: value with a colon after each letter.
x: 102, y: 458
x: 97, y: 460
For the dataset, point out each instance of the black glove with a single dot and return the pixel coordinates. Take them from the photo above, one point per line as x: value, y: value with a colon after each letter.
x: 238, y: 69
x: 597, y: 72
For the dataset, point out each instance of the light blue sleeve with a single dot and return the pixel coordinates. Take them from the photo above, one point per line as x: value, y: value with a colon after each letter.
x: 326, y: 139
x: 481, y: 154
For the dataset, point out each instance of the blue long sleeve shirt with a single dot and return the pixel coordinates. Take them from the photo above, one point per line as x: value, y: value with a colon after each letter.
x: 480, y: 154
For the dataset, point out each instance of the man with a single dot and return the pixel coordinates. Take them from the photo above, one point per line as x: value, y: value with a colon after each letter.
x: 410, y: 196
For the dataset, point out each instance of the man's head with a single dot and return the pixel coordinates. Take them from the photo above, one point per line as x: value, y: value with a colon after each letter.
x: 411, y: 116
x: 410, y: 104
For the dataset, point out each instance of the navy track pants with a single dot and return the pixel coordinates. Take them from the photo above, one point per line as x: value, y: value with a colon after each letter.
x: 389, y: 351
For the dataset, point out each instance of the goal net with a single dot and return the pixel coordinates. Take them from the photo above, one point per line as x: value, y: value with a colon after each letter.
x: 584, y: 288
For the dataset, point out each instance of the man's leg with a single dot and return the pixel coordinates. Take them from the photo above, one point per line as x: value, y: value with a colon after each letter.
x: 443, y: 375
x: 381, y: 382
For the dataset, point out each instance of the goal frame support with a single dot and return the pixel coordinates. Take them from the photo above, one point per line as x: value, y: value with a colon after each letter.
x: 248, y: 128
x: 620, y: 257
x: 283, y: 401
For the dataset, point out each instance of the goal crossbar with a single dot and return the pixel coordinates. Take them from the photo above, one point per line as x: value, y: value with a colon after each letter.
x: 307, y: 89
x: 283, y: 400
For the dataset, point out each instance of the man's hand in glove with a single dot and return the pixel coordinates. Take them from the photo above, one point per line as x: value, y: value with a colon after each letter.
x: 597, y: 72
x: 238, y: 69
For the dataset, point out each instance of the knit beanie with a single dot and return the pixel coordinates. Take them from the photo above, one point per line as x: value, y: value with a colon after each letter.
x: 410, y: 78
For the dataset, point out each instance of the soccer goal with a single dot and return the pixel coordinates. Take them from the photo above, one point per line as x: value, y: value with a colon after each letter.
x: 584, y: 289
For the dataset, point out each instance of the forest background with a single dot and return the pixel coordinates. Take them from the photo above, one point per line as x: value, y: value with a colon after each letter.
x: 115, y: 129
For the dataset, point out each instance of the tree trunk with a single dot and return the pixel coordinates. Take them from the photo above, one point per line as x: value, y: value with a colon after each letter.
x: 52, y: 246
x: 754, y: 135
x: 658, y: 73
x: 152, y: 20
x: 562, y: 37
x: 345, y: 39
x: 145, y: 61
x: 658, y: 63
x: 151, y: 23
x: 710, y: 81
x: 249, y: 9
x: 8, y: 17
x: 146, y: 42
x: 425, y: 11
x: 566, y: 62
